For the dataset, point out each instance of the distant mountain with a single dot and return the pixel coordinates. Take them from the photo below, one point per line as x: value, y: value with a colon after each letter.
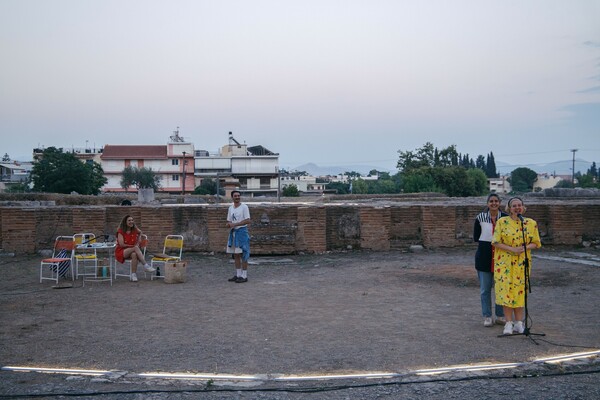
x: 315, y: 170
x: 556, y: 167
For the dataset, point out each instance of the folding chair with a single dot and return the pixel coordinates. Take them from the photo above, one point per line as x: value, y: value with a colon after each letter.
x: 61, y: 260
x: 143, y: 245
x: 172, y: 251
x: 85, y: 255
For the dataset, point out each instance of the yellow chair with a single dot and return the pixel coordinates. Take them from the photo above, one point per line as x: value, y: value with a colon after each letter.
x: 172, y: 251
x: 61, y: 260
x: 85, y: 255
x: 143, y: 245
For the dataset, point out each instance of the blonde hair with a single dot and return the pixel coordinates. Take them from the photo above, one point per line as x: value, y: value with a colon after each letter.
x: 507, y: 208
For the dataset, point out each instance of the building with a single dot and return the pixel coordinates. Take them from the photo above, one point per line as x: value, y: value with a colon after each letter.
x: 254, y: 170
x: 499, y: 185
x: 172, y: 163
x: 546, y: 181
x: 14, y: 173
x: 304, y: 183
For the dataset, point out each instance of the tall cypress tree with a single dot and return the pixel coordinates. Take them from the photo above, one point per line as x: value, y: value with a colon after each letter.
x: 490, y: 166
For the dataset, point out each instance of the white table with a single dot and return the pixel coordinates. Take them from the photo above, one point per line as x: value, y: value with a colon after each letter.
x: 101, y: 272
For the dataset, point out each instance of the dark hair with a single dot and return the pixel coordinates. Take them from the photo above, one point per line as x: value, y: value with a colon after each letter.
x: 493, y: 195
x: 236, y: 191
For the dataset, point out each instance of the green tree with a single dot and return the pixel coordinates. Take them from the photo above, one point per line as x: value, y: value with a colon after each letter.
x: 58, y: 172
x: 521, y: 179
x: 207, y: 186
x: 490, y: 166
x: 359, y: 186
x: 420, y: 180
x: 480, y: 162
x: 141, y: 178
x: 290, y: 191
x: 339, y: 187
x: 423, y: 157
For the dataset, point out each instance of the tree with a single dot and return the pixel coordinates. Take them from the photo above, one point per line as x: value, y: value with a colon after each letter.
x: 141, y: 178
x: 593, y: 171
x: 424, y: 157
x: 58, y: 172
x: 207, y: 186
x: 490, y: 166
x: 521, y: 179
x: 480, y: 162
x: 290, y: 191
x: 339, y: 187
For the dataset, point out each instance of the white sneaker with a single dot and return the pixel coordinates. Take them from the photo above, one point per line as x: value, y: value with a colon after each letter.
x: 508, y: 328
x: 148, y: 268
x: 519, y: 327
x: 487, y: 321
x: 134, y: 277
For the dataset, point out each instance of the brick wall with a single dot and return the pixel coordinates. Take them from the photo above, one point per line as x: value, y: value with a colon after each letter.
x: 288, y: 229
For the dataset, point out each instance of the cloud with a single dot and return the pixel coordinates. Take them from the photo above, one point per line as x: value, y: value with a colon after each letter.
x: 591, y: 43
x: 594, y: 89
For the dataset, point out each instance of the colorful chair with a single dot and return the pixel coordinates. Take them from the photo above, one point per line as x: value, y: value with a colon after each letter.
x: 172, y: 251
x: 61, y: 261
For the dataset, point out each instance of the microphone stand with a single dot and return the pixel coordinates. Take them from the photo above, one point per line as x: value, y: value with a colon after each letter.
x: 526, y: 332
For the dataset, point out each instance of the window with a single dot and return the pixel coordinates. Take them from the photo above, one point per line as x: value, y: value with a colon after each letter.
x: 175, y: 177
x: 175, y: 162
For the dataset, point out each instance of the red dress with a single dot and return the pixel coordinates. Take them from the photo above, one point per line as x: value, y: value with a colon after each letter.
x: 128, y: 238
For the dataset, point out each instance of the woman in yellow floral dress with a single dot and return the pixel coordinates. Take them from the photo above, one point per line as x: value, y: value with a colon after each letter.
x: 509, y: 262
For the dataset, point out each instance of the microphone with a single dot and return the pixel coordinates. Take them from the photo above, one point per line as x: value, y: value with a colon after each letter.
x: 520, y: 217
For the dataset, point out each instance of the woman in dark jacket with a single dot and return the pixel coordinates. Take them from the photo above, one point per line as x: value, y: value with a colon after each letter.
x: 485, y: 222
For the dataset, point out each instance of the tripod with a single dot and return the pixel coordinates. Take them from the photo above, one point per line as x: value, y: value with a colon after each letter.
x: 526, y: 332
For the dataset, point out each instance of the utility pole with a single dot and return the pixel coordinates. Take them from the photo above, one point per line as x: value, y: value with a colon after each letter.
x: 184, y: 164
x: 573, y: 169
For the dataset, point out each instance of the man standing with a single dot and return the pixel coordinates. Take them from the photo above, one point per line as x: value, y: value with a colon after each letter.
x: 238, y: 243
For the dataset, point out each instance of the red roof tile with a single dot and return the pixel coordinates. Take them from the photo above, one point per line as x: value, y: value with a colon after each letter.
x: 134, y: 152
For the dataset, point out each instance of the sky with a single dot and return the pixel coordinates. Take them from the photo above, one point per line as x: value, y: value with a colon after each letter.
x: 348, y: 82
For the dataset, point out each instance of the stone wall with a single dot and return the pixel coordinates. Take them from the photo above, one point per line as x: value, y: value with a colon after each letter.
x: 291, y: 228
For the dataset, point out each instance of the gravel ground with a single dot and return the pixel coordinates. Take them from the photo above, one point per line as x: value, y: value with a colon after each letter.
x: 305, y: 315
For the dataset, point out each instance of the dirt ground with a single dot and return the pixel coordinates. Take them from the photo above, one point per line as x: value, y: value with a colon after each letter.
x: 335, y: 313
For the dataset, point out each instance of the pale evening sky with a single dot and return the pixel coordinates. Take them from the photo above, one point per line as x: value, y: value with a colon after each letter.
x: 326, y: 81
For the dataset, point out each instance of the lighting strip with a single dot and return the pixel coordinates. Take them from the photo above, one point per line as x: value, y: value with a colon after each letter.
x: 292, y: 378
x: 93, y: 372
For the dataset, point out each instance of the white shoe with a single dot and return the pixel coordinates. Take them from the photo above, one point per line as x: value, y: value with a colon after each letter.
x: 519, y: 327
x: 148, y: 268
x: 508, y: 328
x: 134, y: 277
x: 487, y: 321
x: 500, y: 320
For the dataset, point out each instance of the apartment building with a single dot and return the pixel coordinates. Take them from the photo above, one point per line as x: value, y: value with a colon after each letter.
x: 253, y: 170
x: 172, y: 163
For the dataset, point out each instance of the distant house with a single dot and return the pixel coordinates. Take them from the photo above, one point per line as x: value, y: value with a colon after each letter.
x: 254, y: 170
x: 546, y: 181
x: 499, y: 185
x: 14, y: 172
x: 171, y: 162
x: 304, y: 183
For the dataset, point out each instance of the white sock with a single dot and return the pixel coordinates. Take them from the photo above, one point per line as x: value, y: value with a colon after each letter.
x: 244, y: 273
x: 238, y: 272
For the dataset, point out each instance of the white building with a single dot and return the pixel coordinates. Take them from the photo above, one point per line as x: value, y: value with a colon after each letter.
x: 172, y: 163
x: 499, y: 185
x: 253, y: 170
x: 545, y: 181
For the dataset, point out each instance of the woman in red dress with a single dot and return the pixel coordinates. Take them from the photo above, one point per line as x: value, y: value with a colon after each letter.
x: 128, y: 246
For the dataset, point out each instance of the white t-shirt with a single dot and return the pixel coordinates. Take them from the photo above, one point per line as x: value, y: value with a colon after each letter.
x: 237, y: 214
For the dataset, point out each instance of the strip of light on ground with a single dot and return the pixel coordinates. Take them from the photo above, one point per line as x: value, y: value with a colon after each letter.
x: 93, y: 372
x: 567, y: 357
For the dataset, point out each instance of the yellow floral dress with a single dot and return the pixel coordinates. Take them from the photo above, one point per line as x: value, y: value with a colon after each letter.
x: 509, y: 268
